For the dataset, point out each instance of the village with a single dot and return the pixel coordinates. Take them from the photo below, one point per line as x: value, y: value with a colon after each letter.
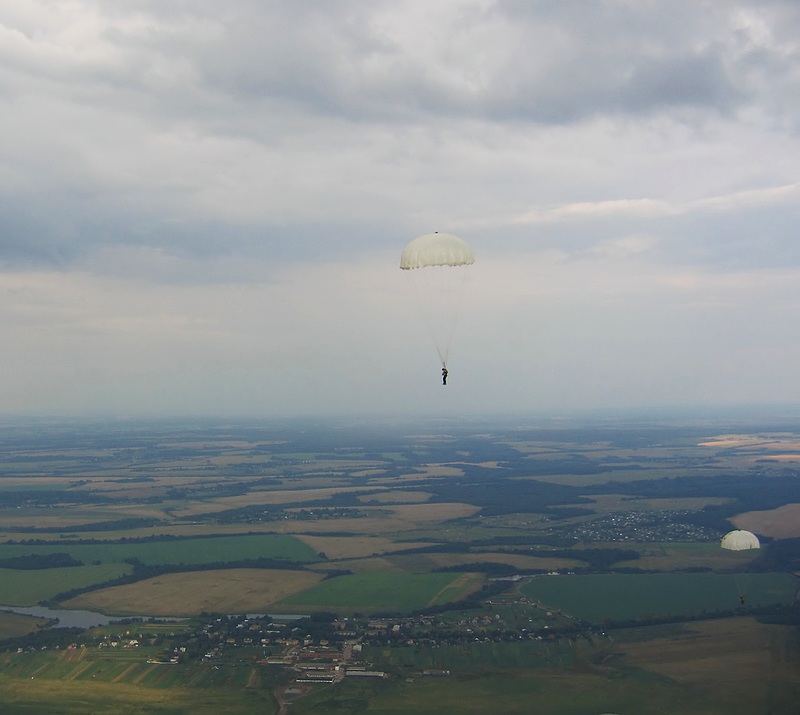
x: 321, y: 647
x: 643, y: 526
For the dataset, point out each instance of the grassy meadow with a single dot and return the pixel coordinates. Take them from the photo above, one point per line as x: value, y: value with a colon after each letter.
x: 27, y: 588
x: 209, y: 550
x: 620, y: 597
x: 731, y: 666
x: 370, y: 592
x: 78, y: 682
x: 13, y: 625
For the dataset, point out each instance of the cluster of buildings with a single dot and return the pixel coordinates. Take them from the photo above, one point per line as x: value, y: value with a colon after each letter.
x: 660, y: 526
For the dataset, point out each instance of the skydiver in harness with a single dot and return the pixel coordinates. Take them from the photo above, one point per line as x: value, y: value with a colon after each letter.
x: 444, y: 375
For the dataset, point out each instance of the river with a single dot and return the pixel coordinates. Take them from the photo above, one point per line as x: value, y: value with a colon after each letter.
x: 73, y: 619
x: 87, y: 619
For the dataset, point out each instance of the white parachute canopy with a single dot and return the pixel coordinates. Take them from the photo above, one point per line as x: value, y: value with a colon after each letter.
x: 436, y: 249
x: 740, y: 540
x: 436, y: 264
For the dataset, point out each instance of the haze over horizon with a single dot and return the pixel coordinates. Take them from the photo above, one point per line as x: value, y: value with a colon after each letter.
x: 202, y: 209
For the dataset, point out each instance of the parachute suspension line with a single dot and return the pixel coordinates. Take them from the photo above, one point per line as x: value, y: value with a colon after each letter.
x: 742, y: 581
x: 453, y: 290
x: 459, y: 302
x: 438, y: 292
x: 422, y: 296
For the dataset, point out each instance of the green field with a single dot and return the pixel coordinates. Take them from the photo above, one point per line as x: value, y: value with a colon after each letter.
x: 621, y: 597
x: 209, y: 550
x: 121, y: 681
x: 13, y: 625
x: 27, y: 588
x: 369, y: 592
x: 513, y: 692
x: 477, y: 656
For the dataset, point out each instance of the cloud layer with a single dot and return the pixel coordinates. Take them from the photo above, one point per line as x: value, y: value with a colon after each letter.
x: 202, y: 208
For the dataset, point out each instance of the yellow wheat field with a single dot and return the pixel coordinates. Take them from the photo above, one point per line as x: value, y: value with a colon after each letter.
x: 780, y: 523
x: 191, y: 593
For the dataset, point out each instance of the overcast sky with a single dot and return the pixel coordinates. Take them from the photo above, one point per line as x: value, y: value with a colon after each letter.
x: 203, y: 204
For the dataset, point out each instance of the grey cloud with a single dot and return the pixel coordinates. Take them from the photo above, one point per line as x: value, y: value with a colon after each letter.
x: 562, y: 68
x: 29, y: 240
x: 698, y: 80
x: 756, y: 238
x: 112, y: 240
x: 534, y: 61
x: 724, y: 235
x: 539, y: 62
x: 308, y: 70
